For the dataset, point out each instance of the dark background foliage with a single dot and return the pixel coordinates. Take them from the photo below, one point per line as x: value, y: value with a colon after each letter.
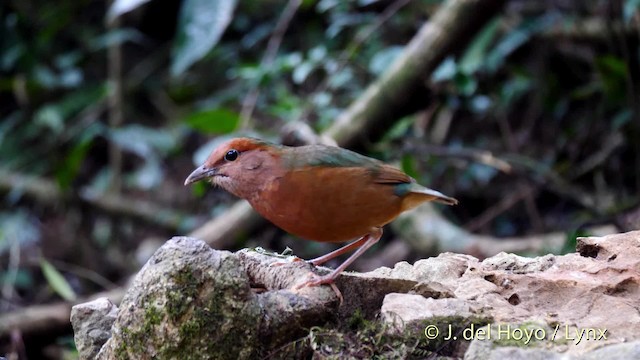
x: 533, y: 127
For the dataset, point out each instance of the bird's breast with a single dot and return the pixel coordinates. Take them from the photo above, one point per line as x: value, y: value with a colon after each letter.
x: 328, y: 204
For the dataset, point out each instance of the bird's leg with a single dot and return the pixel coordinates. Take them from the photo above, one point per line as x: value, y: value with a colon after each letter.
x: 326, y: 257
x: 367, y: 241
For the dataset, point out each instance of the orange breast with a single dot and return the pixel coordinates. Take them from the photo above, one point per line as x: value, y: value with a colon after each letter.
x: 329, y: 204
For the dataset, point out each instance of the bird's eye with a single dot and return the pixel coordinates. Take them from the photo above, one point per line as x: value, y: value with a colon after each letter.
x: 231, y: 155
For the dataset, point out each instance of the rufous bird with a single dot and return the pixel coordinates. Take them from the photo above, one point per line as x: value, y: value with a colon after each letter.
x: 317, y: 192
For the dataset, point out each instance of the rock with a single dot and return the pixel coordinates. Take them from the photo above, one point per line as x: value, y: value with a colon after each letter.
x: 486, y: 350
x: 92, y: 323
x: 574, y: 303
x: 190, y: 301
x: 408, y: 308
x: 617, y: 351
x: 187, y: 301
x: 366, y: 291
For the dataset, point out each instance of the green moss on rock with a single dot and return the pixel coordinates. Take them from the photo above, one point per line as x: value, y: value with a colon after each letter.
x: 189, y: 306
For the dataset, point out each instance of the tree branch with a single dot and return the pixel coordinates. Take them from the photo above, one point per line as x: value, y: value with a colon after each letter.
x: 47, y: 191
x: 401, y: 89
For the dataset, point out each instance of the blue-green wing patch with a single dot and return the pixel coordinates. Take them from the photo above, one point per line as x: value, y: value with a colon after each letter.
x: 321, y: 155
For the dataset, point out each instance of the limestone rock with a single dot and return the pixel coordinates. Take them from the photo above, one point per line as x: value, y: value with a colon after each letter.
x: 92, y: 323
x: 190, y: 301
x: 573, y: 303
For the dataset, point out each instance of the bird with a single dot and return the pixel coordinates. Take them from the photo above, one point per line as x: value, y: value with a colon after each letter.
x: 316, y: 192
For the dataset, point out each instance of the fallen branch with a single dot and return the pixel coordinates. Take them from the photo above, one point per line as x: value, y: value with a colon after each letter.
x: 398, y: 90
x: 48, y: 317
x: 428, y: 232
x: 48, y: 192
x: 221, y: 232
x: 479, y: 156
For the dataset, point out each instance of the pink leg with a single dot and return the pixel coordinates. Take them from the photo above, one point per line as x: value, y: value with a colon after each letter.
x: 367, y: 241
x: 324, y: 258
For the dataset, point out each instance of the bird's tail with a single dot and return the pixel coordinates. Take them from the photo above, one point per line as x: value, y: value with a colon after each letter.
x: 435, y: 196
x: 417, y: 194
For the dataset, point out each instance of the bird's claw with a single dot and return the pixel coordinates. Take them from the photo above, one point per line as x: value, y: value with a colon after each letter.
x: 315, y: 280
x: 289, y: 260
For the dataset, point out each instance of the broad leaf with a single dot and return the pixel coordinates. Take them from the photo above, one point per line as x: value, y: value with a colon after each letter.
x: 200, y: 25
x: 218, y: 121
x: 120, y: 7
x: 57, y: 282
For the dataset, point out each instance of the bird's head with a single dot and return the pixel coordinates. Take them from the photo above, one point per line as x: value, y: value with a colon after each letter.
x: 240, y: 166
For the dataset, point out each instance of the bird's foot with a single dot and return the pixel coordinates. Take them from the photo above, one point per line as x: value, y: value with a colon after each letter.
x: 316, y: 280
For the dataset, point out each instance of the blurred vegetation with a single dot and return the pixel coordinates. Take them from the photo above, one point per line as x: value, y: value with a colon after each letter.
x: 548, y: 88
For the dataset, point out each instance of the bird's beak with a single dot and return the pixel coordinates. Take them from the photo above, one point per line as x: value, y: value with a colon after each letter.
x: 200, y: 173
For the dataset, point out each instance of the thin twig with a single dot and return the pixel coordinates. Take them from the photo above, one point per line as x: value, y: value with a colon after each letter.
x: 513, y: 146
x: 483, y: 157
x: 8, y: 289
x: 554, y: 182
x: 589, y: 29
x: 249, y: 102
x: 116, y: 111
x: 353, y: 48
x: 503, y: 205
x: 84, y: 273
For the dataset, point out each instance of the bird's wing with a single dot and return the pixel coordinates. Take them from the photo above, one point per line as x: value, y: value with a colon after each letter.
x: 325, y: 156
x: 386, y: 174
x: 314, y: 156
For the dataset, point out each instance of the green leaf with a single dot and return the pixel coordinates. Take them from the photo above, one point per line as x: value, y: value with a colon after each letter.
x: 466, y: 84
x: 399, y: 129
x: 445, y: 71
x: 302, y: 71
x: 22, y: 279
x: 515, y: 38
x: 67, y: 169
x: 623, y: 117
x: 201, y: 23
x: 629, y: 9
x: 217, y: 121
x: 144, y: 141
x: 383, y: 58
x: 18, y: 228
x: 408, y: 165
x: 119, y: 7
x: 613, y: 74
x: 50, y: 117
x: 113, y: 37
x: 475, y: 55
x: 514, y: 89
x: 148, y: 175
x: 199, y: 189
x: 57, y: 282
x: 53, y: 116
